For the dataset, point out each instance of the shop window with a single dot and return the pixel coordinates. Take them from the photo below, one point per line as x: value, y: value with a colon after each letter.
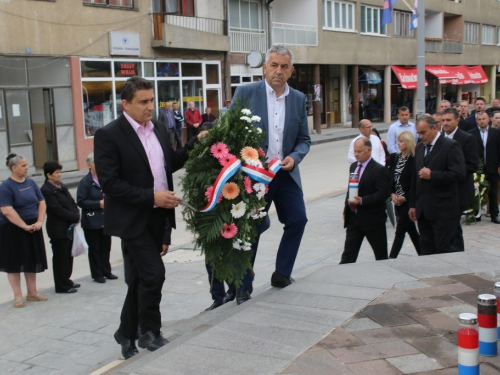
x: 118, y: 94
x: 192, y: 91
x: 63, y: 106
x: 471, y: 33
x: 18, y: 113
x: 149, y: 69
x: 167, y: 69
x: 191, y: 70
x: 168, y: 91
x: 244, y: 14
x: 370, y: 21
x: 127, y: 69
x: 48, y: 72
x: 212, y: 74
x: 2, y: 111
x: 13, y: 72
x: 401, y: 25
x: 338, y: 15
x: 97, y: 105
x: 488, y: 35
x: 96, y: 69
x: 111, y: 3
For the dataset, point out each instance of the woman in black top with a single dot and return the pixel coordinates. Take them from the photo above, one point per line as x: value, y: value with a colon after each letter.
x: 62, y: 211
x: 401, y: 175
x: 91, y: 199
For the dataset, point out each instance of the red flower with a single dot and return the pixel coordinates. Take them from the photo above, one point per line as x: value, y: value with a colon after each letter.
x: 248, y: 185
x: 261, y: 152
x: 208, y: 194
x: 226, y: 159
x: 219, y: 150
x: 229, y: 231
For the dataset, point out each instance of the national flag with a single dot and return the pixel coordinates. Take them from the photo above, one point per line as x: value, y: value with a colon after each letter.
x: 414, y: 17
x: 387, y: 11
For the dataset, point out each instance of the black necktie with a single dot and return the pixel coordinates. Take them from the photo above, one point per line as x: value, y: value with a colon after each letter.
x: 428, y: 147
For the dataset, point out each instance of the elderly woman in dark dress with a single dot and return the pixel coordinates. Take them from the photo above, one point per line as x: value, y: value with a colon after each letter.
x: 22, y: 248
x: 62, y: 212
x: 91, y: 199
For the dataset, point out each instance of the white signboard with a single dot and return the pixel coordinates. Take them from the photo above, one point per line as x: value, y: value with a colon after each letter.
x: 124, y: 43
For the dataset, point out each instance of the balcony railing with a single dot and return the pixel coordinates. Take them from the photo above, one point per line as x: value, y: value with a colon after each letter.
x: 246, y: 40
x: 443, y: 45
x: 291, y: 34
x: 207, y: 25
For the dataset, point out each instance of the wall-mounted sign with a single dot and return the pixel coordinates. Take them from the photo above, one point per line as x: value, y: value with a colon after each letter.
x: 124, y: 43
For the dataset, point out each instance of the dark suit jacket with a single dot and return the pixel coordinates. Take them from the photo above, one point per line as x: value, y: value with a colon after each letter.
x: 296, y: 139
x: 62, y: 210
x: 374, y: 189
x: 437, y: 198
x: 125, y: 176
x: 406, y: 175
x: 88, y: 197
x: 464, y: 125
x: 492, y: 148
x: 471, y: 156
x: 162, y: 117
x: 472, y: 121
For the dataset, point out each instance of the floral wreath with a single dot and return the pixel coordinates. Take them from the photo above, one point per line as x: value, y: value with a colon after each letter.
x: 226, y: 173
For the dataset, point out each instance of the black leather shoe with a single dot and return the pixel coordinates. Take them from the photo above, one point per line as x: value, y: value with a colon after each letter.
x: 76, y: 286
x: 494, y: 219
x: 215, y: 305
x: 280, y: 281
x: 111, y: 277
x: 100, y: 280
x: 242, y: 297
x: 72, y: 290
x: 128, y: 346
x: 230, y: 296
x: 151, y: 342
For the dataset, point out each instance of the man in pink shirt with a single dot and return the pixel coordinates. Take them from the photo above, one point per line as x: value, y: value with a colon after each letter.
x: 193, y: 120
x: 134, y: 163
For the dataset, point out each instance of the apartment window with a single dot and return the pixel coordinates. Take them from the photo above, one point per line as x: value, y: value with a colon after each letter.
x: 244, y: 14
x: 338, y: 15
x: 471, y: 33
x: 488, y: 35
x: 370, y: 21
x: 401, y: 25
x: 112, y: 3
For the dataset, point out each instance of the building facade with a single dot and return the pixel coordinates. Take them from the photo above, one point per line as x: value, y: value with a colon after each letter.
x: 63, y: 62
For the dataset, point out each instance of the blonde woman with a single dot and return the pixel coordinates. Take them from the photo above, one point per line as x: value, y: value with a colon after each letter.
x: 22, y: 248
x: 401, y: 175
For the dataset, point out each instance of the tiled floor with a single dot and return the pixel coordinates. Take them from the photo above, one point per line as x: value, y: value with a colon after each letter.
x: 410, y: 329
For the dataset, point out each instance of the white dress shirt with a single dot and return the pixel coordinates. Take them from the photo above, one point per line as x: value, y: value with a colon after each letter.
x: 393, y: 132
x: 276, y: 108
x: 378, y: 153
x: 452, y: 134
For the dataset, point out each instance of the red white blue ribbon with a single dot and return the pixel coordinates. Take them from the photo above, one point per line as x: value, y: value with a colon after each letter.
x: 256, y: 173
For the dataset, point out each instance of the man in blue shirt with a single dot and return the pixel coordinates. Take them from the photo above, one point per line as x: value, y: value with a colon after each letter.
x: 399, y: 126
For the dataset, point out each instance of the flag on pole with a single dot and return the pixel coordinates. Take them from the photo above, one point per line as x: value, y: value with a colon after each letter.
x: 414, y: 17
x: 387, y: 11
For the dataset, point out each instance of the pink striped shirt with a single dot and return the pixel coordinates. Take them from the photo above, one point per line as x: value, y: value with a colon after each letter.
x: 153, y: 150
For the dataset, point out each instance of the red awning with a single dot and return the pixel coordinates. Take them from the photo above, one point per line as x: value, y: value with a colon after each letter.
x: 474, y: 74
x: 407, y: 76
x: 447, y: 74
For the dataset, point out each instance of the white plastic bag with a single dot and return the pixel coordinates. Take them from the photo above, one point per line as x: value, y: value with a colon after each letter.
x: 80, y: 246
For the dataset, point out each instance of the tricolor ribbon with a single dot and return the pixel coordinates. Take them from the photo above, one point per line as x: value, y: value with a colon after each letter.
x: 256, y: 173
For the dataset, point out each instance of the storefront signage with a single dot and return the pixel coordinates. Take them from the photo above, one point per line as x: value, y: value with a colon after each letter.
x: 128, y: 69
x: 124, y: 43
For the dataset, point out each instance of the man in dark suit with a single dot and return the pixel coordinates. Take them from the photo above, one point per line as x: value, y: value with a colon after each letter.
x: 365, y: 214
x: 469, y: 148
x: 134, y: 163
x: 287, y: 138
x: 488, y: 143
x: 179, y: 120
x: 167, y: 117
x: 479, y: 106
x: 434, y: 201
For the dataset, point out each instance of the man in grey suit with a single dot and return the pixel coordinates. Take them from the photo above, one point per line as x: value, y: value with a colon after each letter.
x: 167, y: 117
x: 282, y: 110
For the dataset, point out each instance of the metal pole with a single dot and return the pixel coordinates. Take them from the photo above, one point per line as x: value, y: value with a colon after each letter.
x: 421, y: 58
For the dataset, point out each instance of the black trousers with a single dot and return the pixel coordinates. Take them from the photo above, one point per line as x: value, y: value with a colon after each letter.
x: 191, y: 133
x: 99, y: 249
x: 493, y: 194
x: 404, y: 225
x: 171, y: 136
x: 62, y: 264
x: 145, y: 279
x: 178, y: 138
x: 375, y: 233
x: 437, y: 236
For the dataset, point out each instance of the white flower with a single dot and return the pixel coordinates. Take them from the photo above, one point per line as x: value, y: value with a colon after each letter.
x: 259, y: 187
x: 246, y: 111
x: 255, y: 119
x: 254, y: 162
x: 262, y: 214
x: 246, y: 127
x: 238, y: 210
x: 246, y: 118
x: 247, y: 247
x: 259, y: 130
x: 236, y: 245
